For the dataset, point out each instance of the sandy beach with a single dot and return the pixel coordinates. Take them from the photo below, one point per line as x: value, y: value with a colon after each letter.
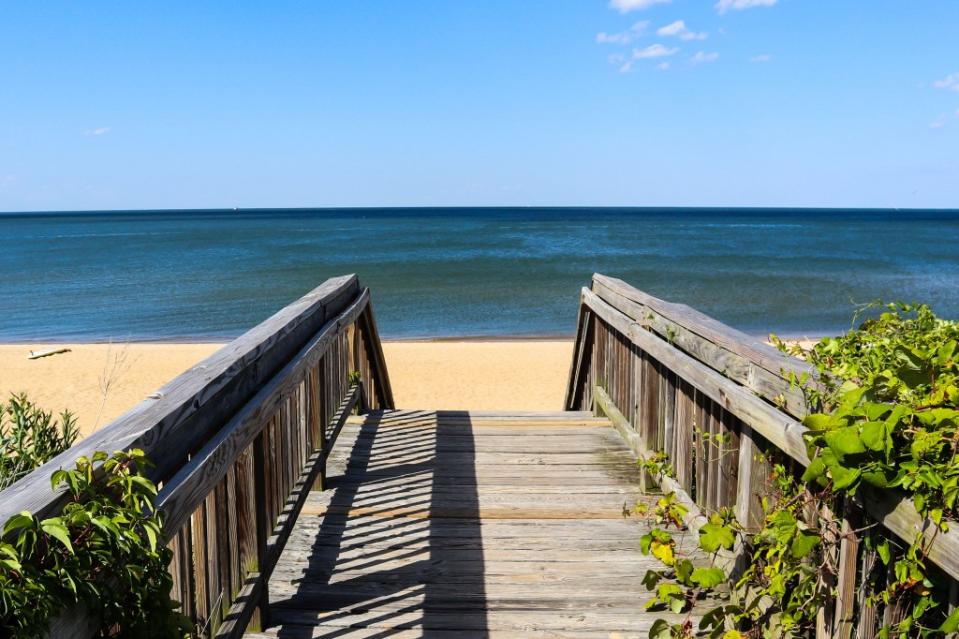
x: 99, y: 382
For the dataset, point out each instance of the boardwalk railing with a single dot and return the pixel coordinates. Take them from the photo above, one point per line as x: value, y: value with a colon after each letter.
x: 721, y: 406
x: 238, y: 441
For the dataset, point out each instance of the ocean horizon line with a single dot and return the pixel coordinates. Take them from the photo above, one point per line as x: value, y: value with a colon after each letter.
x: 480, y: 208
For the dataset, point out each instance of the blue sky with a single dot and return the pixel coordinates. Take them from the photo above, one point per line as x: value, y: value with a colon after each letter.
x: 559, y: 102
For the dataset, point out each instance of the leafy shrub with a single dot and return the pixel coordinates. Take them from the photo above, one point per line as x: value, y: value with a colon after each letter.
x: 103, y: 551
x: 30, y: 437
x: 886, y: 402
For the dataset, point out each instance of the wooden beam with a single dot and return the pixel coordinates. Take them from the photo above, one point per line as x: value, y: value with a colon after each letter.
x: 173, y: 422
x: 183, y: 493
x: 892, y: 508
x: 736, y: 360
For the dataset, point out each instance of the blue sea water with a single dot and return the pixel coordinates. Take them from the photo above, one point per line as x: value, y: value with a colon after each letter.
x: 194, y: 275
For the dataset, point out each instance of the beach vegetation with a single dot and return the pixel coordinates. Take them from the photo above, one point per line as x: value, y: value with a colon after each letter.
x: 102, y: 551
x: 30, y: 437
x: 883, y: 416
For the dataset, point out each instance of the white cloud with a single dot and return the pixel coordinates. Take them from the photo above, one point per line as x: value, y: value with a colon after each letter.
x: 702, y: 57
x: 663, y: 66
x: 653, y: 51
x: 951, y: 81
x: 625, y: 6
x: 762, y: 57
x: 103, y: 130
x: 938, y: 123
x: 679, y: 30
x: 624, y: 37
x: 738, y: 5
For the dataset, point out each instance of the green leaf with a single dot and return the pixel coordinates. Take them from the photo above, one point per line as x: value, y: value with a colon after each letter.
x: 803, y: 544
x: 708, y: 577
x: 882, y: 548
x: 815, y: 470
x: 55, y: 528
x: 845, y: 441
x: 18, y: 521
x: 644, y: 543
x: 821, y: 421
x: 651, y: 579
x: 713, y: 536
x: 660, y: 630
x: 843, y: 477
x: 951, y: 624
x: 683, y: 568
x: 151, y: 537
x: 875, y: 435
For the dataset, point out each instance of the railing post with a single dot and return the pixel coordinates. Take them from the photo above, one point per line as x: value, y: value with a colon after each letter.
x: 263, y: 527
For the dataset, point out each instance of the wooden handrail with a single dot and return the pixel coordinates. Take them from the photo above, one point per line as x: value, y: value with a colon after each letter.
x: 670, y: 379
x: 238, y: 441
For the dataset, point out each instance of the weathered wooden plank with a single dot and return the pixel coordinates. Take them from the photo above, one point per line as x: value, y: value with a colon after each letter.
x: 892, y: 509
x: 718, y: 345
x: 185, y: 411
x: 435, y: 526
x: 196, y: 478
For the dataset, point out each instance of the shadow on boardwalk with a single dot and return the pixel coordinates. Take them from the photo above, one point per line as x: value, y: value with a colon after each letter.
x: 399, y: 546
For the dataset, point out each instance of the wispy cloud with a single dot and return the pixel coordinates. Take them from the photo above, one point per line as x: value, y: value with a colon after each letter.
x: 625, y: 6
x: 654, y: 51
x: 938, y: 123
x: 702, y: 57
x: 951, y: 82
x: 762, y: 57
x: 623, y: 37
x: 738, y: 5
x: 679, y: 30
x: 103, y: 130
x: 651, y: 52
x: 663, y: 66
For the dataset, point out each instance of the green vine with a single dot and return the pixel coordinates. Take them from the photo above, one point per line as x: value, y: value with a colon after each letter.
x: 886, y: 401
x: 102, y: 551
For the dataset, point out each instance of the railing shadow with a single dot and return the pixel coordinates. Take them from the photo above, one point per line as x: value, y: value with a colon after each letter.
x: 399, y: 548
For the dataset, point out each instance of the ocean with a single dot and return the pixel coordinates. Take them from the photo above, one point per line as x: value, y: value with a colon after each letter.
x: 210, y: 275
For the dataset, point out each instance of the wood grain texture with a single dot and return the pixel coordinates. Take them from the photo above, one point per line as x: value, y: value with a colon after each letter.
x: 191, y: 407
x: 722, y: 407
x: 439, y: 539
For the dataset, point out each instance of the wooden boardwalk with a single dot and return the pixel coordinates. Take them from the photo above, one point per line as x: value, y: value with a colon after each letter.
x: 459, y: 524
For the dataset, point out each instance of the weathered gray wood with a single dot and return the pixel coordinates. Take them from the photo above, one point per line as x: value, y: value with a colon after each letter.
x: 892, y: 509
x: 193, y: 405
x: 735, y: 364
x: 181, y: 494
x: 779, y: 428
x: 716, y: 332
x: 582, y: 348
x: 374, y: 347
x: 427, y: 536
x: 248, y: 600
